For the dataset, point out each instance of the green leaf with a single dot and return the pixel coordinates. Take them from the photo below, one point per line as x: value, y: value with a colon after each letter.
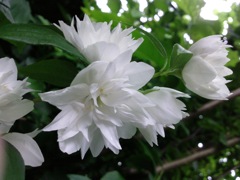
x: 100, y: 16
x: 37, y: 35
x: 157, y: 44
x: 151, y: 49
x: 14, y: 164
x: 55, y: 72
x: 3, y: 19
x: 179, y: 58
x: 77, y: 177
x: 20, y: 10
x: 114, y: 5
x: 112, y: 175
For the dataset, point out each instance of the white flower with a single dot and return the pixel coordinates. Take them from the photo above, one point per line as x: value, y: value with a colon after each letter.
x: 27, y: 147
x: 12, y: 106
x: 96, y: 41
x: 166, y: 111
x: 204, y: 73
x: 101, y: 106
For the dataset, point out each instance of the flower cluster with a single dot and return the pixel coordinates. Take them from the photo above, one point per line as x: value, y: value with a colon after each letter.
x: 103, y: 102
x: 13, y: 107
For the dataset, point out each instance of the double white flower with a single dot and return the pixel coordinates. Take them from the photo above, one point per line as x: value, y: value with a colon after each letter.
x: 204, y: 73
x: 96, y: 41
x: 13, y: 107
x: 103, y: 103
x: 100, y: 106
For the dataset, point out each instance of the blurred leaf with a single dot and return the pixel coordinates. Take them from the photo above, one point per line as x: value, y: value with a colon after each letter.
x: 14, y: 166
x: 208, y: 123
x: 20, y: 11
x: 113, y: 175
x: 191, y: 7
x: 55, y: 72
x: 223, y: 139
x: 107, y: 17
x: 114, y: 5
x: 37, y: 35
x: 234, y: 58
x: 77, y: 177
x: 161, y: 5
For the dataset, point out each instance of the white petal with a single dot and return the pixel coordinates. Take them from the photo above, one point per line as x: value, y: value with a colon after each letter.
x: 101, y: 51
x: 66, y: 117
x: 139, y: 74
x: 97, y: 143
x: 198, y: 71
x: 27, y: 147
x: 126, y: 131
x: 72, y: 144
x: 16, y: 110
x: 66, y: 95
x: 150, y: 134
x: 109, y: 132
x: 91, y: 74
x: 8, y: 66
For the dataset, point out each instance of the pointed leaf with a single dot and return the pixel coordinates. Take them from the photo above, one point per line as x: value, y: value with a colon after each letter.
x: 37, y: 35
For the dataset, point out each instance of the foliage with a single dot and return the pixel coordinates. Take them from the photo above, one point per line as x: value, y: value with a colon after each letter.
x: 50, y: 62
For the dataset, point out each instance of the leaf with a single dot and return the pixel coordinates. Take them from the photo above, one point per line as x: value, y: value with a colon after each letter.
x: 14, y: 164
x: 3, y: 19
x: 20, y: 10
x: 55, y: 72
x: 77, y: 177
x: 151, y: 49
x: 179, y: 58
x: 112, y: 175
x: 114, y: 5
x: 37, y: 35
x: 158, y: 45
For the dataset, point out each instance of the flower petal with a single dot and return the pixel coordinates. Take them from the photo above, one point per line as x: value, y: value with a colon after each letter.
x: 27, y: 147
x: 139, y: 74
x: 15, y: 110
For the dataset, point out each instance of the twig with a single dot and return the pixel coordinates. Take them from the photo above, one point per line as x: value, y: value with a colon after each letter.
x: 212, y: 104
x: 195, y: 156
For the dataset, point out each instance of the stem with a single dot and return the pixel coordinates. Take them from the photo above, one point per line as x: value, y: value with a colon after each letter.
x: 164, y: 73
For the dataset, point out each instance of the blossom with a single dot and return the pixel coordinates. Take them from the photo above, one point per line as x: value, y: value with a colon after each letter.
x: 96, y: 41
x: 12, y: 105
x: 204, y: 73
x: 101, y: 105
x: 166, y: 111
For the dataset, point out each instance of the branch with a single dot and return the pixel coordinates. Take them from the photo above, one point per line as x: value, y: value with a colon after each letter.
x: 195, y: 156
x: 212, y: 104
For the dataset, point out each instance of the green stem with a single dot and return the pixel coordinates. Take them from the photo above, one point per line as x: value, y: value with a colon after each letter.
x: 163, y: 73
